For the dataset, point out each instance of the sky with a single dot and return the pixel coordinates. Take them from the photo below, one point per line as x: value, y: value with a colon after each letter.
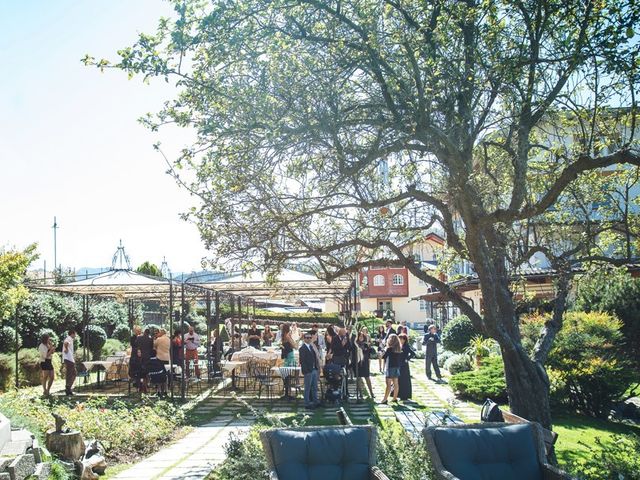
x: 71, y: 145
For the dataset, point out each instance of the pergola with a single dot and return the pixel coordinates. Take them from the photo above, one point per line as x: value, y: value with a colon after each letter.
x: 288, y: 284
x: 124, y: 285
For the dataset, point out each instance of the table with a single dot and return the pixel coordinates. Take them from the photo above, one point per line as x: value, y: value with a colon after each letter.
x: 230, y: 366
x: 104, y: 364
x: 286, y: 373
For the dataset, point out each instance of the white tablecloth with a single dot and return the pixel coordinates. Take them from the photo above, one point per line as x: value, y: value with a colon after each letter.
x: 255, y: 353
x: 229, y: 366
x: 101, y: 363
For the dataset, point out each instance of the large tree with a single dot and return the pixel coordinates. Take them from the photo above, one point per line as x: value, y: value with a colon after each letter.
x: 340, y: 131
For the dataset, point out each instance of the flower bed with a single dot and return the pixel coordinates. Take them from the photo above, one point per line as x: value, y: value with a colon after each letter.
x: 126, y: 430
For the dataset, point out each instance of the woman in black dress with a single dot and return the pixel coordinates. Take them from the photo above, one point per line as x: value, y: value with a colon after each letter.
x: 380, y: 336
x: 364, y: 344
x: 405, y: 390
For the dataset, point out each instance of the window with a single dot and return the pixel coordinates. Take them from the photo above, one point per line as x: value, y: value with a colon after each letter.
x: 378, y: 281
x: 423, y: 305
x: 398, y: 279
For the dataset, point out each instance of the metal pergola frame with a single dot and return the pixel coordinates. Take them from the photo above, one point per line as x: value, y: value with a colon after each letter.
x: 124, y: 285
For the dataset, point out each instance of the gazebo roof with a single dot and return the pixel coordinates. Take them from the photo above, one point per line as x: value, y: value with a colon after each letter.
x: 122, y: 284
x: 288, y: 283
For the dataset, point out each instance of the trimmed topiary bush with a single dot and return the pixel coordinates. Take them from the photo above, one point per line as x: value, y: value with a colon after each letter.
x: 457, y: 334
x: 443, y: 356
x: 486, y: 382
x: 8, y: 339
x: 458, y: 363
x: 29, y: 365
x: 55, y: 339
x: 96, y: 338
x: 111, y: 347
x: 122, y: 333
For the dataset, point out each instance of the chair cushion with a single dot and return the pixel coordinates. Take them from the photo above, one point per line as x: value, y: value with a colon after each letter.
x: 325, y: 454
x: 507, y: 453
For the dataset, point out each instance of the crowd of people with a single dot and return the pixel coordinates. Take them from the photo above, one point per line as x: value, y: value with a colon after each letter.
x: 350, y: 350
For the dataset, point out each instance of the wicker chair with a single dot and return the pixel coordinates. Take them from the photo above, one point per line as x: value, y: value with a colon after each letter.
x: 508, y: 449
x: 288, y: 450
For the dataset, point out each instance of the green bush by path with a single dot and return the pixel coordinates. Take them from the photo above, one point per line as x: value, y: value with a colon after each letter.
x: 8, y: 339
x: 458, y: 363
x: 486, y: 382
x: 7, y: 372
x: 457, y: 334
x: 126, y: 430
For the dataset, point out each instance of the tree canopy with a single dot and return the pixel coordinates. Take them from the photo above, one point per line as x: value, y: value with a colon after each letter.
x: 337, y: 133
x: 149, y: 268
x: 13, y: 267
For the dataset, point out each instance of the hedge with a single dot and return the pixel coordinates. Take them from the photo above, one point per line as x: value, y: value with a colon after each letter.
x: 486, y: 382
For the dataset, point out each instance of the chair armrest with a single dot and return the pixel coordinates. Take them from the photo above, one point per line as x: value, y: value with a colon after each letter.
x: 549, y: 472
x: 376, y: 474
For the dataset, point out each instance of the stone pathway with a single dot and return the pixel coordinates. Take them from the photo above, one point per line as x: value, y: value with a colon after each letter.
x: 194, y: 456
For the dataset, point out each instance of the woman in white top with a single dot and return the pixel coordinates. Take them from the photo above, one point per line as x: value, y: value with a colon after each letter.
x: 295, y: 334
x: 47, y: 374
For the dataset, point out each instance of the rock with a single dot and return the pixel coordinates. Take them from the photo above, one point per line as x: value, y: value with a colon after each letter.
x: 22, y: 467
x: 97, y: 463
x: 42, y: 471
x: 4, y: 476
x: 68, y: 445
x: 59, y: 422
x: 88, y: 473
x: 4, y: 463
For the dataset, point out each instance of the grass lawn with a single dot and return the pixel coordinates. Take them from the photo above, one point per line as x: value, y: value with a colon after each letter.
x: 577, y: 434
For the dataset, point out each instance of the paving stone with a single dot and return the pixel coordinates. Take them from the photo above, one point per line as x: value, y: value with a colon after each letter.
x: 21, y: 467
x: 5, y: 476
x: 4, y: 463
x: 42, y: 471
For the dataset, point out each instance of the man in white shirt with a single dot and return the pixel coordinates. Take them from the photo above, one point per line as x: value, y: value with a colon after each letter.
x: 69, y: 362
x: 191, y: 343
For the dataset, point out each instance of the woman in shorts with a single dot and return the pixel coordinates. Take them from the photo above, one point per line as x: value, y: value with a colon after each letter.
x: 393, y: 357
x: 47, y: 375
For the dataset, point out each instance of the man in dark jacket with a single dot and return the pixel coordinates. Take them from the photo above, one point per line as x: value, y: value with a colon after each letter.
x: 309, y: 366
x: 431, y: 339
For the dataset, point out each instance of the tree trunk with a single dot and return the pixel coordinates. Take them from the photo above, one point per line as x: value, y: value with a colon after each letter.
x: 527, y: 386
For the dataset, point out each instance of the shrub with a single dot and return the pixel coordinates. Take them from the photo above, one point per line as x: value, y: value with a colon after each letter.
x: 245, y: 459
x: 8, y: 339
x: 458, y: 363
x: 111, y: 347
x: 613, y: 460
x: 457, y: 334
x: 486, y: 382
x: 108, y: 314
x: 479, y: 348
x: 96, y: 338
x: 443, y: 356
x: 7, y: 372
x: 55, y: 339
x: 400, y: 456
x: 46, y: 310
x: 126, y: 430
x: 586, y: 367
x: 122, y: 333
x: 614, y: 291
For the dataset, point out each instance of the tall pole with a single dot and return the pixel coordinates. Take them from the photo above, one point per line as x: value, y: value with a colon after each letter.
x: 55, y: 244
x: 15, y: 316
